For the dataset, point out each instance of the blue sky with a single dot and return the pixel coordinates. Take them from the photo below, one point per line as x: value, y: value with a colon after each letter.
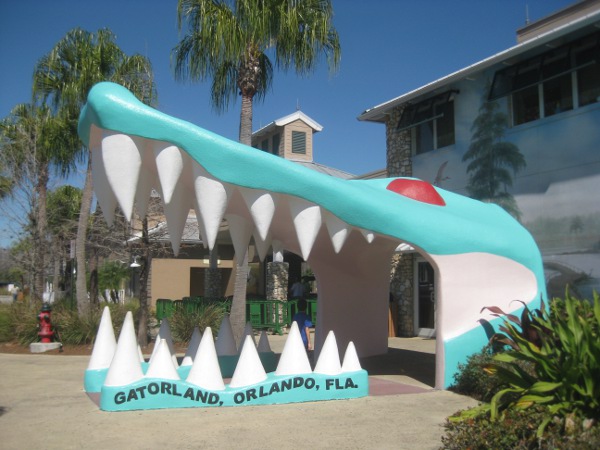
x: 389, y: 47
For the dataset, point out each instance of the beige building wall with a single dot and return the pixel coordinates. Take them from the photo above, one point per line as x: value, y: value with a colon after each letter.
x: 298, y: 125
x: 171, y: 278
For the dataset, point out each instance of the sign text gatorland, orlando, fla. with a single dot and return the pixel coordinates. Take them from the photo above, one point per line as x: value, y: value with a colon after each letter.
x: 160, y: 393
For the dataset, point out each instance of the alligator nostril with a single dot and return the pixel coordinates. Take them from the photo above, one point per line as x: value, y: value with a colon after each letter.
x: 417, y: 190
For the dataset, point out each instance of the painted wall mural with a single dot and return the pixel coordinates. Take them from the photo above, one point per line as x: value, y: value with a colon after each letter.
x: 555, y: 192
x: 347, y: 230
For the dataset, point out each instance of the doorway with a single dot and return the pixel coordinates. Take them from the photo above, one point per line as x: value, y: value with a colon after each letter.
x: 425, y: 301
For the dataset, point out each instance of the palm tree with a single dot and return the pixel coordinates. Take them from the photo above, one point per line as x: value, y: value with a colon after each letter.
x: 492, y: 160
x: 64, y: 77
x: 34, y: 142
x: 233, y: 43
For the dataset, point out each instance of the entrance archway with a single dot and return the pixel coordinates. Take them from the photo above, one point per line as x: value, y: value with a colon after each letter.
x: 347, y: 230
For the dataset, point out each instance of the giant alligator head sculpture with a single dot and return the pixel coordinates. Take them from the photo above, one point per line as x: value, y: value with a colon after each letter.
x: 347, y: 230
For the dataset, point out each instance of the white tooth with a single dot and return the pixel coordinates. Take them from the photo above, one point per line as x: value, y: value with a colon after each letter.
x: 161, y: 365
x: 125, y: 367
x: 212, y: 197
x: 176, y: 212
x: 104, y: 194
x: 369, y: 235
x: 169, y: 164
x: 241, y: 231
x: 206, y: 372
x: 225, y: 344
x: 164, y: 332
x: 329, y: 358
x: 338, y: 230
x: 262, y: 247
x: 293, y: 360
x: 188, y: 358
x: 105, y: 344
x: 201, y: 229
x: 351, y: 362
x: 140, y: 354
x: 262, y: 208
x: 263, y: 343
x: 148, y: 178
x: 122, y: 162
x: 404, y: 247
x: 249, y: 369
x: 307, y: 222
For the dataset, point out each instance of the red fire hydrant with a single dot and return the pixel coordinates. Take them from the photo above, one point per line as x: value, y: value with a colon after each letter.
x: 46, y: 333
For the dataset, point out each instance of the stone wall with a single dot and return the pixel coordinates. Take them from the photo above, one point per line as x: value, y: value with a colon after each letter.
x: 399, y: 164
x: 277, y: 280
x: 212, y: 283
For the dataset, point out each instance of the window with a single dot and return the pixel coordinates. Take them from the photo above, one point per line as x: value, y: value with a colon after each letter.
x: 556, y: 81
x: 276, y: 141
x: 264, y: 145
x: 299, y: 142
x: 431, y: 121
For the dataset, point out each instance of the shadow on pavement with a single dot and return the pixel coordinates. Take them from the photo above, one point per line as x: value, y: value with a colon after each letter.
x: 417, y: 365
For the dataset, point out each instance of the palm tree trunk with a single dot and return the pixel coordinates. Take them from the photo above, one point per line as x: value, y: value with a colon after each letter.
x: 84, y: 215
x: 143, y: 312
x: 41, y: 220
x: 238, y: 306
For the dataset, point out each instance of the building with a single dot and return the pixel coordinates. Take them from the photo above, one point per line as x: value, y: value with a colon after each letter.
x: 519, y: 128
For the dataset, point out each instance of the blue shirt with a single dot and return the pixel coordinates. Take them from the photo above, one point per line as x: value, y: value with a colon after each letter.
x: 303, y: 321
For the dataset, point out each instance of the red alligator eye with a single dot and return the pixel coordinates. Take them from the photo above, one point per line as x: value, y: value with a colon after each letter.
x: 417, y: 190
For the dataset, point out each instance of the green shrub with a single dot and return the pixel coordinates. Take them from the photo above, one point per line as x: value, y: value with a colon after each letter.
x: 563, y: 348
x: 549, y: 374
x: 204, y: 315
x: 473, y: 381
x: 6, y: 330
x: 517, y: 430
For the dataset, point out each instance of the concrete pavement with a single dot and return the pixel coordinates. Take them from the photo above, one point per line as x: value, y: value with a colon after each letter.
x: 43, y: 405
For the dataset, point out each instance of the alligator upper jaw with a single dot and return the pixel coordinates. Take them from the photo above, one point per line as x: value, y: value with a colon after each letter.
x: 126, y: 168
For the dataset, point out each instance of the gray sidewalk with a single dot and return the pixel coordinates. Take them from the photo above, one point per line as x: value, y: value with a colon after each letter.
x: 43, y: 405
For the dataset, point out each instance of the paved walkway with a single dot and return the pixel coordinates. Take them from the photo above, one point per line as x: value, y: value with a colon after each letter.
x: 43, y: 405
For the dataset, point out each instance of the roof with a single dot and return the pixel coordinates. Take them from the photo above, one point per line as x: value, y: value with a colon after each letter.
x: 324, y: 169
x: 298, y: 115
x: 592, y: 20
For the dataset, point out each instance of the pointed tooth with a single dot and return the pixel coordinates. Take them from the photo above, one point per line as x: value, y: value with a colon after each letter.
x: 140, y: 354
x: 148, y: 178
x: 212, y: 198
x: 307, y: 222
x: 225, y: 344
x: 262, y: 247
x: 369, y: 235
x: 190, y: 353
x: 161, y: 365
x: 293, y: 360
x: 125, y: 367
x: 338, y: 230
x: 169, y: 164
x: 105, y: 344
x: 351, y: 362
x: 329, y: 358
x: 122, y: 162
x: 205, y: 371
x: 249, y: 369
x: 263, y: 343
x: 104, y: 194
x: 176, y: 212
x: 164, y: 332
x: 262, y: 208
x: 241, y: 231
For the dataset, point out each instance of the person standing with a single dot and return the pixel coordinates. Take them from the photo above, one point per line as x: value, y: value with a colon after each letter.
x: 304, y: 323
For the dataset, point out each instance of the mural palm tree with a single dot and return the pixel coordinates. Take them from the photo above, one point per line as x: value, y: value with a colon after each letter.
x: 233, y: 43
x: 493, y: 161
x: 64, y: 77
